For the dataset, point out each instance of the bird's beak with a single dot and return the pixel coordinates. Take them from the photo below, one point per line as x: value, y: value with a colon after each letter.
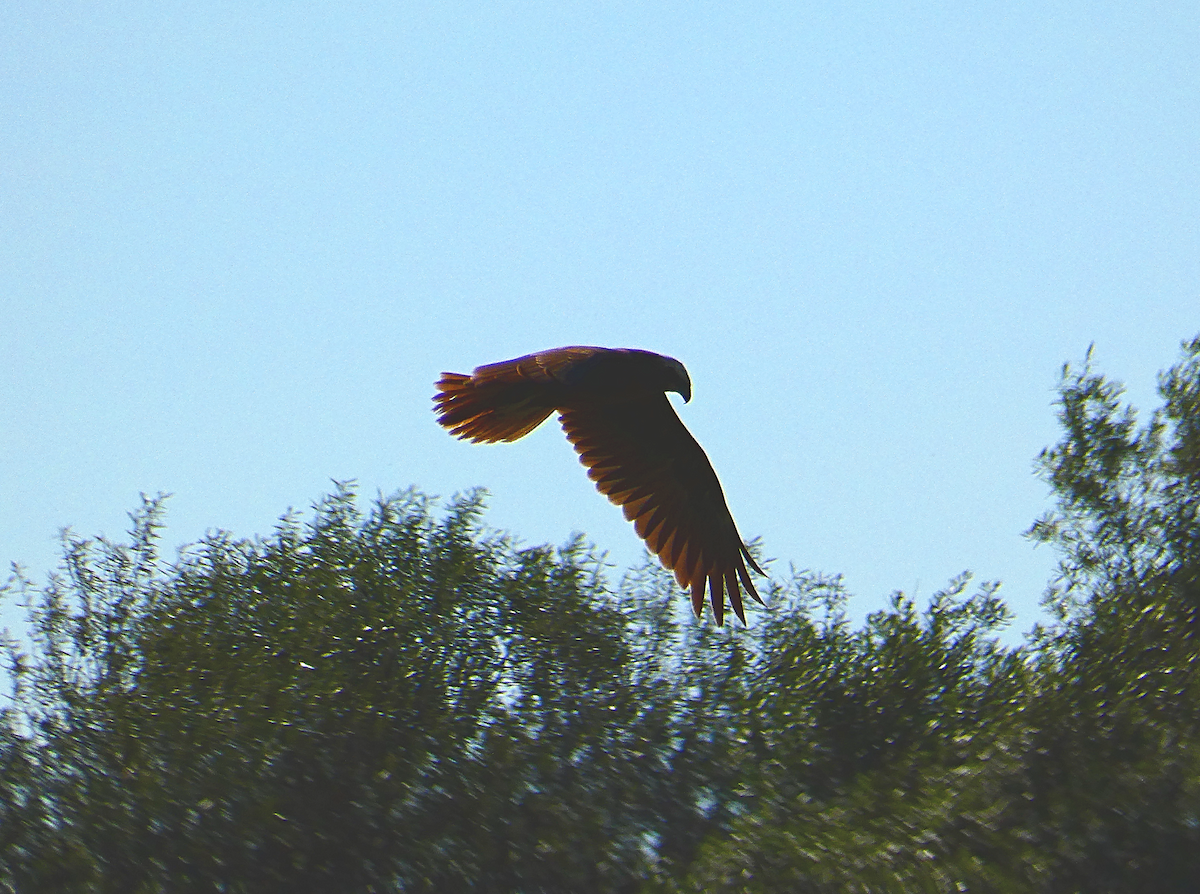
x: 687, y: 392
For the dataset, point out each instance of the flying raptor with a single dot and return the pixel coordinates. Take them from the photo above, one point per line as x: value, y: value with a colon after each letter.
x: 613, y: 405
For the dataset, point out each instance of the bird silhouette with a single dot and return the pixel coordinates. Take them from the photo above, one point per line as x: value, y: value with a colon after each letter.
x: 613, y: 406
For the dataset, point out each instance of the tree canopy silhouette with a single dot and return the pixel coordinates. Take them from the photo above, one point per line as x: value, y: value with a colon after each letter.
x: 392, y: 697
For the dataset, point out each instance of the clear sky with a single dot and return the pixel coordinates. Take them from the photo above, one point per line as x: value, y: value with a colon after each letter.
x: 240, y: 241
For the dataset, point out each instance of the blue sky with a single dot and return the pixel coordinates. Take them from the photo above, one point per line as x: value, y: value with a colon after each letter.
x: 241, y: 241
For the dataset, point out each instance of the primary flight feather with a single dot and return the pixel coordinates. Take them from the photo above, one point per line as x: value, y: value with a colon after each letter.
x: 613, y: 405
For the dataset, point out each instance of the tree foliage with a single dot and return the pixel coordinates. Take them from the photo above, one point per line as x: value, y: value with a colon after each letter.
x: 393, y: 698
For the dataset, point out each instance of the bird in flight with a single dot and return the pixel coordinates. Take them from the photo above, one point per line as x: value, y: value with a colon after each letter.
x: 613, y: 405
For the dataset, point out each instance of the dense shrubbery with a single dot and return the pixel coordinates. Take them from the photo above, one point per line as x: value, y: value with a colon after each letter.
x: 396, y: 700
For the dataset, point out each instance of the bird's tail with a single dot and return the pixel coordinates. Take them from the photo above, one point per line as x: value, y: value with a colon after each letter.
x: 485, y: 411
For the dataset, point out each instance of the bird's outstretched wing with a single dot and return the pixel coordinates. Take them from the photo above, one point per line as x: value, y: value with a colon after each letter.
x: 642, y: 458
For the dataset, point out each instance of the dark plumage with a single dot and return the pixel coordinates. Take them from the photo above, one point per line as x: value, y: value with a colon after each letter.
x: 613, y: 406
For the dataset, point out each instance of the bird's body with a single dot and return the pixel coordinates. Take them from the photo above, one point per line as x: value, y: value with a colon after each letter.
x: 613, y: 407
